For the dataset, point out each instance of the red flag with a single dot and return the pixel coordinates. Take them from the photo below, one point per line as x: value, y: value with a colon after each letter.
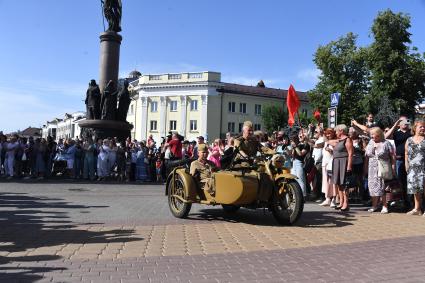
x: 317, y: 115
x: 293, y: 104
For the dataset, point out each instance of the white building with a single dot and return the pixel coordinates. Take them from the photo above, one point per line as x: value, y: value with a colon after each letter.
x: 68, y: 127
x: 195, y: 104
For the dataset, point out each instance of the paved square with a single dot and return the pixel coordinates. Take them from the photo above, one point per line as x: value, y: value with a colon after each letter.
x: 72, y: 232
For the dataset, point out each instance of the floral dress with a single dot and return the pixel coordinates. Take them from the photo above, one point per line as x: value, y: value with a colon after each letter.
x: 416, y: 172
x: 383, y: 152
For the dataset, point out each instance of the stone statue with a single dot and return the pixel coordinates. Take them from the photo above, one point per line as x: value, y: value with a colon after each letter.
x: 93, y: 101
x: 124, y: 102
x: 109, y: 102
x: 112, y: 9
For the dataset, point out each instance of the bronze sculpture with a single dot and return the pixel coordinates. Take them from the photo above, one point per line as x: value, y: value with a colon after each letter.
x: 112, y: 9
x: 93, y: 101
x: 123, y: 103
x: 109, y: 102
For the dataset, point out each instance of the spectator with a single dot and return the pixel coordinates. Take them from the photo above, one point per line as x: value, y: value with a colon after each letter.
x: 358, y: 154
x: 298, y: 152
x: 201, y: 140
x: 121, y: 162
x: 89, y: 159
x: 327, y: 187
x: 141, y: 173
x: 342, y: 163
x: 400, y: 132
x: 40, y: 149
x: 415, y: 165
x: 103, y: 167
x: 227, y: 157
x: 158, y: 166
x: 78, y: 160
x: 378, y: 150
x: 11, y: 147
x: 215, y: 153
x: 175, y: 146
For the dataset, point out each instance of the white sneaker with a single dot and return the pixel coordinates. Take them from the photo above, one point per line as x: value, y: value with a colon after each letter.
x: 373, y: 209
x: 333, y: 204
x: 414, y: 212
x: 384, y: 210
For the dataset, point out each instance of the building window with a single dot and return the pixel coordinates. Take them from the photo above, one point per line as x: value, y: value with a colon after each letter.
x: 231, y: 127
x: 232, y: 107
x: 154, y: 77
x: 257, y: 127
x: 154, y: 125
x: 173, y: 105
x: 173, y: 125
x: 131, y: 110
x: 193, y: 105
x: 195, y: 75
x: 240, y: 127
x: 242, y: 107
x: 154, y: 106
x: 174, y: 76
x: 193, y: 125
x: 257, y: 109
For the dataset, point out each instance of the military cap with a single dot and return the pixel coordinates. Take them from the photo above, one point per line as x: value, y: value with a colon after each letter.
x: 202, y: 148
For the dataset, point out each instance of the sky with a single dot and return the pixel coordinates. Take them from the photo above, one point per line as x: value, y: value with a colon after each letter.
x: 49, y: 49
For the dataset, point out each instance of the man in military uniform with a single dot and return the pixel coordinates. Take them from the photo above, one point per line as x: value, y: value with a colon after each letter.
x: 202, y: 169
x: 248, y: 145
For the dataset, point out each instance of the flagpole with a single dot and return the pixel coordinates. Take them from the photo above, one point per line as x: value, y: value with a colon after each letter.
x: 299, y: 120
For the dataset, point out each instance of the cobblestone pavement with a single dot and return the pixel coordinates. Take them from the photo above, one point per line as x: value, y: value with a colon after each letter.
x: 72, y: 232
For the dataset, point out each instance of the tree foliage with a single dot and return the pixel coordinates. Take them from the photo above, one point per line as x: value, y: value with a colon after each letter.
x: 344, y: 70
x: 387, y: 70
x: 274, y: 118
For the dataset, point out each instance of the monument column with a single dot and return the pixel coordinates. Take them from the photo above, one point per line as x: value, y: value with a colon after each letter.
x: 110, y: 43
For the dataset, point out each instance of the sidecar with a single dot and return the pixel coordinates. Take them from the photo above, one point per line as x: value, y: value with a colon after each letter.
x: 235, y: 189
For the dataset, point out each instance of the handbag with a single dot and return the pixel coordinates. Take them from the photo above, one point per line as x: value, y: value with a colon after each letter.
x: 384, y: 170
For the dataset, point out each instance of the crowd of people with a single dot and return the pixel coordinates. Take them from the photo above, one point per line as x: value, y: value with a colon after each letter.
x: 329, y: 162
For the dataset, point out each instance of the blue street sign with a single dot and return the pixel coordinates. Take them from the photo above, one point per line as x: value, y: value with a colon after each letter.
x: 335, y: 99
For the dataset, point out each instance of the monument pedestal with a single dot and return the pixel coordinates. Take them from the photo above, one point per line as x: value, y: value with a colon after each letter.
x: 110, y: 43
x: 102, y: 129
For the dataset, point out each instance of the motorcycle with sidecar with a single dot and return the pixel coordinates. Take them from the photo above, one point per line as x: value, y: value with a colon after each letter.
x: 264, y: 183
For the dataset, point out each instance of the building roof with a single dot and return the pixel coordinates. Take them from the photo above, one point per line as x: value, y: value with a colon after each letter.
x: 31, y: 132
x: 259, y: 91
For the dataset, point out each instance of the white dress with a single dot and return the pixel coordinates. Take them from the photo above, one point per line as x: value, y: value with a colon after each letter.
x: 103, y: 167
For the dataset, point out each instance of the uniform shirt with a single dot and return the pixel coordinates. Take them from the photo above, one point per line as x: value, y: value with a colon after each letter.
x: 204, y: 171
x: 251, y: 146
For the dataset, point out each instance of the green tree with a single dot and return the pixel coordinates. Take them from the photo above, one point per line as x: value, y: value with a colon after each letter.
x: 274, y: 118
x: 398, y: 71
x: 343, y: 69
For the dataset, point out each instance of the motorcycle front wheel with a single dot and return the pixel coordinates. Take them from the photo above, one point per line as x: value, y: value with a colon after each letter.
x: 177, y: 193
x: 287, y: 202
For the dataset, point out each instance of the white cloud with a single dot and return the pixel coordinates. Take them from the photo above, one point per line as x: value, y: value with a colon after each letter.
x: 309, y: 75
x: 161, y: 68
x: 29, y: 103
x: 252, y: 81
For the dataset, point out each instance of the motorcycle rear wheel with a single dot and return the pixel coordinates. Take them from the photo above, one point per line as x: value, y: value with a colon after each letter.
x: 288, y: 206
x: 177, y: 207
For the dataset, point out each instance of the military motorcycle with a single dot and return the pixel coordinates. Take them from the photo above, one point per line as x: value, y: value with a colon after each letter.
x: 263, y: 183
